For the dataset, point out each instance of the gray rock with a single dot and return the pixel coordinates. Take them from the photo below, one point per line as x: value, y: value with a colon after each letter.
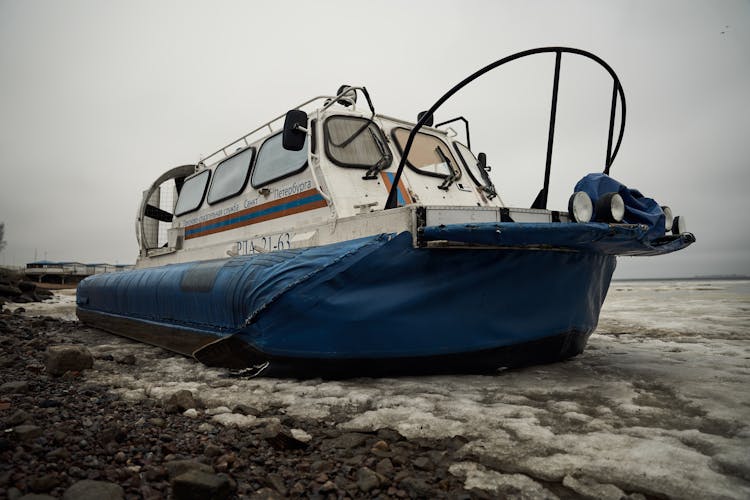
x: 281, y: 438
x: 347, y: 441
x: 94, y: 490
x: 129, y: 359
x: 416, y: 487
x: 27, y: 432
x: 198, y: 485
x: 15, y: 387
x: 423, y: 463
x: 19, y: 417
x: 44, y: 483
x: 58, y: 454
x: 244, y: 409
x: 65, y: 358
x: 266, y: 494
x: 367, y: 479
x: 276, y: 482
x: 180, y: 401
x: 27, y: 286
x: 157, y: 422
x: 178, y: 467
x: 384, y: 467
x: 14, y: 493
x: 390, y: 435
x: 10, y: 291
x: 212, y: 450
x: 35, y: 496
x: 327, y: 487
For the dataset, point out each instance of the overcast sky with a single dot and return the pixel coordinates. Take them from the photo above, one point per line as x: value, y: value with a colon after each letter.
x: 99, y: 98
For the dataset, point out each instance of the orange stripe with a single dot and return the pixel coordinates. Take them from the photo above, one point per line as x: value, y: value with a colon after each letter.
x: 401, y: 188
x: 257, y: 208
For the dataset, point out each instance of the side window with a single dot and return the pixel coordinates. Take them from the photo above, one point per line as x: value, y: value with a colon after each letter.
x: 428, y: 154
x: 355, y: 142
x: 274, y: 162
x: 230, y: 177
x: 191, y: 195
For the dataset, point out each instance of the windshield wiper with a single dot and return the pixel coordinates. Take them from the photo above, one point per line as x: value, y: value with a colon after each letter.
x: 453, y: 176
x: 385, y: 157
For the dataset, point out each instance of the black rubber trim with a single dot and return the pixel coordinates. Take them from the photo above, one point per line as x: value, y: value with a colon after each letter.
x: 548, y: 350
x: 326, y: 141
x: 203, y: 196
x: 463, y: 162
x: 232, y: 352
x: 408, y: 163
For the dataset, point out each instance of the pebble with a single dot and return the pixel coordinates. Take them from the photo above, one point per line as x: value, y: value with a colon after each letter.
x: 78, y: 434
x: 384, y: 467
x: 367, y: 479
x: 62, y: 359
x: 178, y: 467
x: 94, y: 490
x: 199, y: 485
x: 180, y: 401
x: 15, y: 387
x: 17, y: 418
x: 27, y: 432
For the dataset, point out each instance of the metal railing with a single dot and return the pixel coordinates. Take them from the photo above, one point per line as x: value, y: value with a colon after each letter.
x: 541, y: 199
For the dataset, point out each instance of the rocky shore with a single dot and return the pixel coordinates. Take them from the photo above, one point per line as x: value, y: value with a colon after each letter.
x: 656, y: 407
x: 64, y: 437
x: 15, y: 289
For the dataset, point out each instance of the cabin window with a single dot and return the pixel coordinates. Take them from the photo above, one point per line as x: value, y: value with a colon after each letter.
x: 274, y: 162
x: 356, y: 143
x: 230, y: 177
x: 192, y: 193
x: 470, y: 163
x: 428, y: 154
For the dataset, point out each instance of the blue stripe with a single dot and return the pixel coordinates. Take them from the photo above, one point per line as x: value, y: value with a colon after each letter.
x: 400, y: 198
x: 241, y: 218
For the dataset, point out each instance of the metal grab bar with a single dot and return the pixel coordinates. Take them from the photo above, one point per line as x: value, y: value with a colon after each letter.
x: 542, y: 197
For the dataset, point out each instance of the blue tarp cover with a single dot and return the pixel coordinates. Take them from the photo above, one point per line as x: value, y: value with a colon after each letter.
x: 638, y: 208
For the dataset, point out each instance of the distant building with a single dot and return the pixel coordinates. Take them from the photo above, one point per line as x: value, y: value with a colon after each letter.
x: 45, y: 271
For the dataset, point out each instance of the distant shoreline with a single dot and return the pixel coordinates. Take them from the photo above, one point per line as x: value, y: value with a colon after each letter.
x: 693, y: 278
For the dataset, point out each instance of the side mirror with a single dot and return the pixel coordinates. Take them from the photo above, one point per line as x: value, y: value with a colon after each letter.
x: 295, y: 130
x: 482, y: 162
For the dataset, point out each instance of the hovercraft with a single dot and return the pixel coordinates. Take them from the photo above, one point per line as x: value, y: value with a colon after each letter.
x: 336, y: 241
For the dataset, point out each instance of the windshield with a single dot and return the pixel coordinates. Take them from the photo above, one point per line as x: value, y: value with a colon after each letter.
x: 356, y: 143
x: 470, y: 163
x: 428, y: 155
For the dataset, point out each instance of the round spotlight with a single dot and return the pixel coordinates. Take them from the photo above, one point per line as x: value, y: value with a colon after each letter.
x: 679, y: 226
x: 610, y: 208
x: 668, y: 218
x: 580, y: 207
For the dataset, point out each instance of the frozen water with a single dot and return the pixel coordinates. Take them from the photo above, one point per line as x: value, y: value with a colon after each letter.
x: 658, y: 403
x: 62, y: 305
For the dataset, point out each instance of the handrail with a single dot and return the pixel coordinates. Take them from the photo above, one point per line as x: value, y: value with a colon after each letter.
x: 331, y: 100
x: 541, y: 201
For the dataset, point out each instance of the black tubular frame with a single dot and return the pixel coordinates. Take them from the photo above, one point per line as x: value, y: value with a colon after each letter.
x: 466, y: 126
x: 541, y: 201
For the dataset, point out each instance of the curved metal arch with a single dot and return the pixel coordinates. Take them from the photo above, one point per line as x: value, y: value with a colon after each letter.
x: 617, y: 90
